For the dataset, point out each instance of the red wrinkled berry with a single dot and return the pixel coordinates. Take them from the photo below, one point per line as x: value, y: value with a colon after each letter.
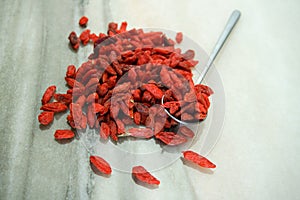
x: 179, y: 37
x: 83, y: 21
x: 85, y: 37
x: 74, y: 40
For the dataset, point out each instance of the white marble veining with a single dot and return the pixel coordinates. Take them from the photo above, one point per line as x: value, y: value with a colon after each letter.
x: 257, y: 156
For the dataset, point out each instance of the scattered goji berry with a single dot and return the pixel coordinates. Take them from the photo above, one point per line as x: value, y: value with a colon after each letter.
x: 71, y: 71
x: 198, y: 159
x: 83, y: 21
x: 170, y: 138
x: 141, y: 132
x: 141, y: 174
x: 104, y: 131
x: 74, y: 40
x: 63, y: 98
x: 85, y: 37
x: 179, y: 37
x: 54, y: 107
x: 100, y: 164
x: 93, y: 37
x: 46, y: 117
x: 70, y: 81
x: 123, y: 27
x: 63, y: 134
x: 48, y: 94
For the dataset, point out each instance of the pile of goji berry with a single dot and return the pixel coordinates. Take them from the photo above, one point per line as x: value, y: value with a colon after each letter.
x: 118, y: 92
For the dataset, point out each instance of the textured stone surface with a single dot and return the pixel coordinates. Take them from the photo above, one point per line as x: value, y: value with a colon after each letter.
x: 258, y: 154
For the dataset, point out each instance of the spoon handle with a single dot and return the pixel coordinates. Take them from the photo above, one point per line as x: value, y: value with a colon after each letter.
x: 228, y: 28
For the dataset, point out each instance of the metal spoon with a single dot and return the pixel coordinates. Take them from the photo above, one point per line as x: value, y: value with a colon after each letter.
x: 227, y: 30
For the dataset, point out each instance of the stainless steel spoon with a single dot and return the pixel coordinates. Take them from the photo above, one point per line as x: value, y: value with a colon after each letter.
x: 227, y: 30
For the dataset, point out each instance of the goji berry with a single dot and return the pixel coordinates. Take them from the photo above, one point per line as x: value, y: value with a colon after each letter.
x: 63, y: 98
x: 74, y: 40
x: 85, y: 37
x: 137, y: 118
x: 141, y: 132
x: 54, y: 107
x: 63, y: 134
x: 179, y: 37
x: 93, y: 37
x: 100, y: 164
x: 70, y: 82
x: 123, y: 27
x: 104, y: 131
x: 185, y: 131
x: 83, y: 21
x: 154, y: 90
x: 83, y: 121
x: 46, y: 117
x: 141, y: 174
x: 71, y: 71
x: 198, y: 159
x: 170, y: 138
x: 48, y: 94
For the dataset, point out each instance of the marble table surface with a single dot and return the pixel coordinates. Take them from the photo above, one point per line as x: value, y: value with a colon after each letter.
x: 257, y: 155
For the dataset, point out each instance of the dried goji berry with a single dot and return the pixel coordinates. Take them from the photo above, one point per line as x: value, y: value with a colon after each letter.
x: 63, y: 134
x: 123, y: 27
x: 136, y: 95
x: 141, y: 132
x: 100, y: 164
x: 154, y: 90
x: 137, y: 118
x: 76, y: 112
x: 71, y: 71
x: 48, y: 94
x: 141, y: 174
x: 185, y: 131
x: 98, y: 108
x: 179, y: 37
x: 102, y: 89
x: 198, y: 159
x: 46, y: 117
x: 112, y: 27
x: 63, y: 98
x: 85, y: 37
x: 203, y: 89
x: 113, y: 130
x: 81, y: 100
x: 147, y: 97
x: 70, y: 82
x: 54, y: 107
x: 74, y: 40
x: 91, y: 117
x: 92, y: 98
x: 83, y: 121
x: 83, y: 21
x: 170, y: 138
x: 93, y: 37
x: 104, y: 131
x: 120, y: 126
